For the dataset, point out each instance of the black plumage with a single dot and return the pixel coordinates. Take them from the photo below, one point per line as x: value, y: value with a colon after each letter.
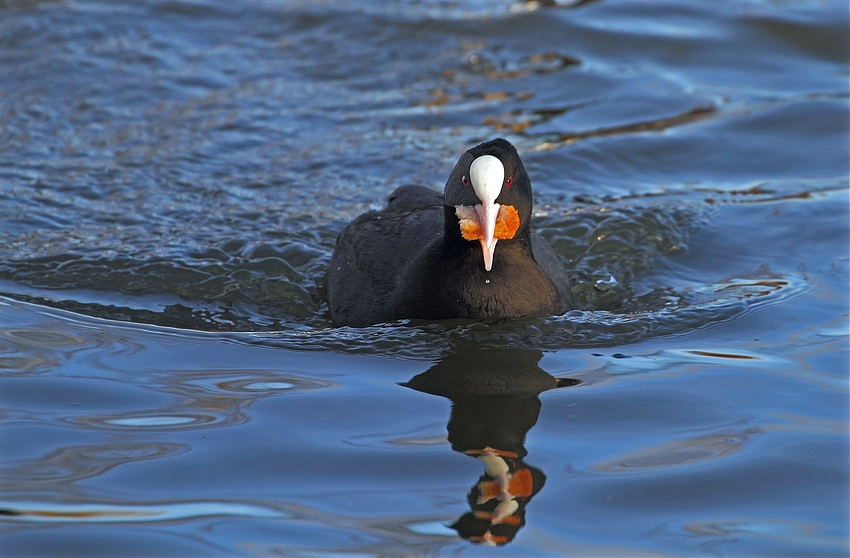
x: 410, y: 260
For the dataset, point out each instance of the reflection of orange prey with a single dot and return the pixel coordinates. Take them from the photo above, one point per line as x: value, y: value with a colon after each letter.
x: 488, y: 490
x: 520, y: 485
x: 489, y: 538
x: 504, y: 513
x: 495, y: 520
x: 507, y: 222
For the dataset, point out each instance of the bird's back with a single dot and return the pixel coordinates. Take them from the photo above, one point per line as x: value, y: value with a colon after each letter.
x: 372, y: 252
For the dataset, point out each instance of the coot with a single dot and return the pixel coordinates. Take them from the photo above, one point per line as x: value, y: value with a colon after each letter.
x: 468, y: 253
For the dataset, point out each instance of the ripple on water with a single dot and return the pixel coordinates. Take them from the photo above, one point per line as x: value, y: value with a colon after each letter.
x: 697, y: 308
x: 24, y: 349
x: 228, y: 392
x: 44, y: 512
x: 69, y: 464
x: 432, y: 528
x: 151, y: 421
x: 777, y: 529
x: 26, y: 365
x: 657, y: 313
x: 424, y: 436
x: 42, y: 338
x: 270, y: 386
x: 676, y: 454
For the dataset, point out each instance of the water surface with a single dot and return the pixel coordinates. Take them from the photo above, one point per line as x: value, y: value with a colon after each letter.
x: 172, y: 180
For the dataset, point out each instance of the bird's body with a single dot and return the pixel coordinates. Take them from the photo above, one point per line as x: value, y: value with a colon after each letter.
x: 413, y: 259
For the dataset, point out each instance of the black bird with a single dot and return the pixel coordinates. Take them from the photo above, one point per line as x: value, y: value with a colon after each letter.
x: 466, y: 254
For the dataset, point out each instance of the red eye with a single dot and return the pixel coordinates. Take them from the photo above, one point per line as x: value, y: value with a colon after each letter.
x: 509, y: 181
x: 465, y: 180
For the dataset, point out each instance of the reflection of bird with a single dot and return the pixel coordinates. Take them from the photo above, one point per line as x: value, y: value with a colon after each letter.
x: 467, y: 254
x: 494, y: 465
x: 494, y: 404
x: 503, y: 513
x: 506, y: 486
x: 497, y: 468
x: 489, y: 539
x: 516, y: 484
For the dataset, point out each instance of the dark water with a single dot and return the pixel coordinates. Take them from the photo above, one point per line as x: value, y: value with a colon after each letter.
x: 173, y: 175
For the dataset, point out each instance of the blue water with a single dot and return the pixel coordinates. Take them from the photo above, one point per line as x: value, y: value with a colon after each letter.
x: 173, y: 177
